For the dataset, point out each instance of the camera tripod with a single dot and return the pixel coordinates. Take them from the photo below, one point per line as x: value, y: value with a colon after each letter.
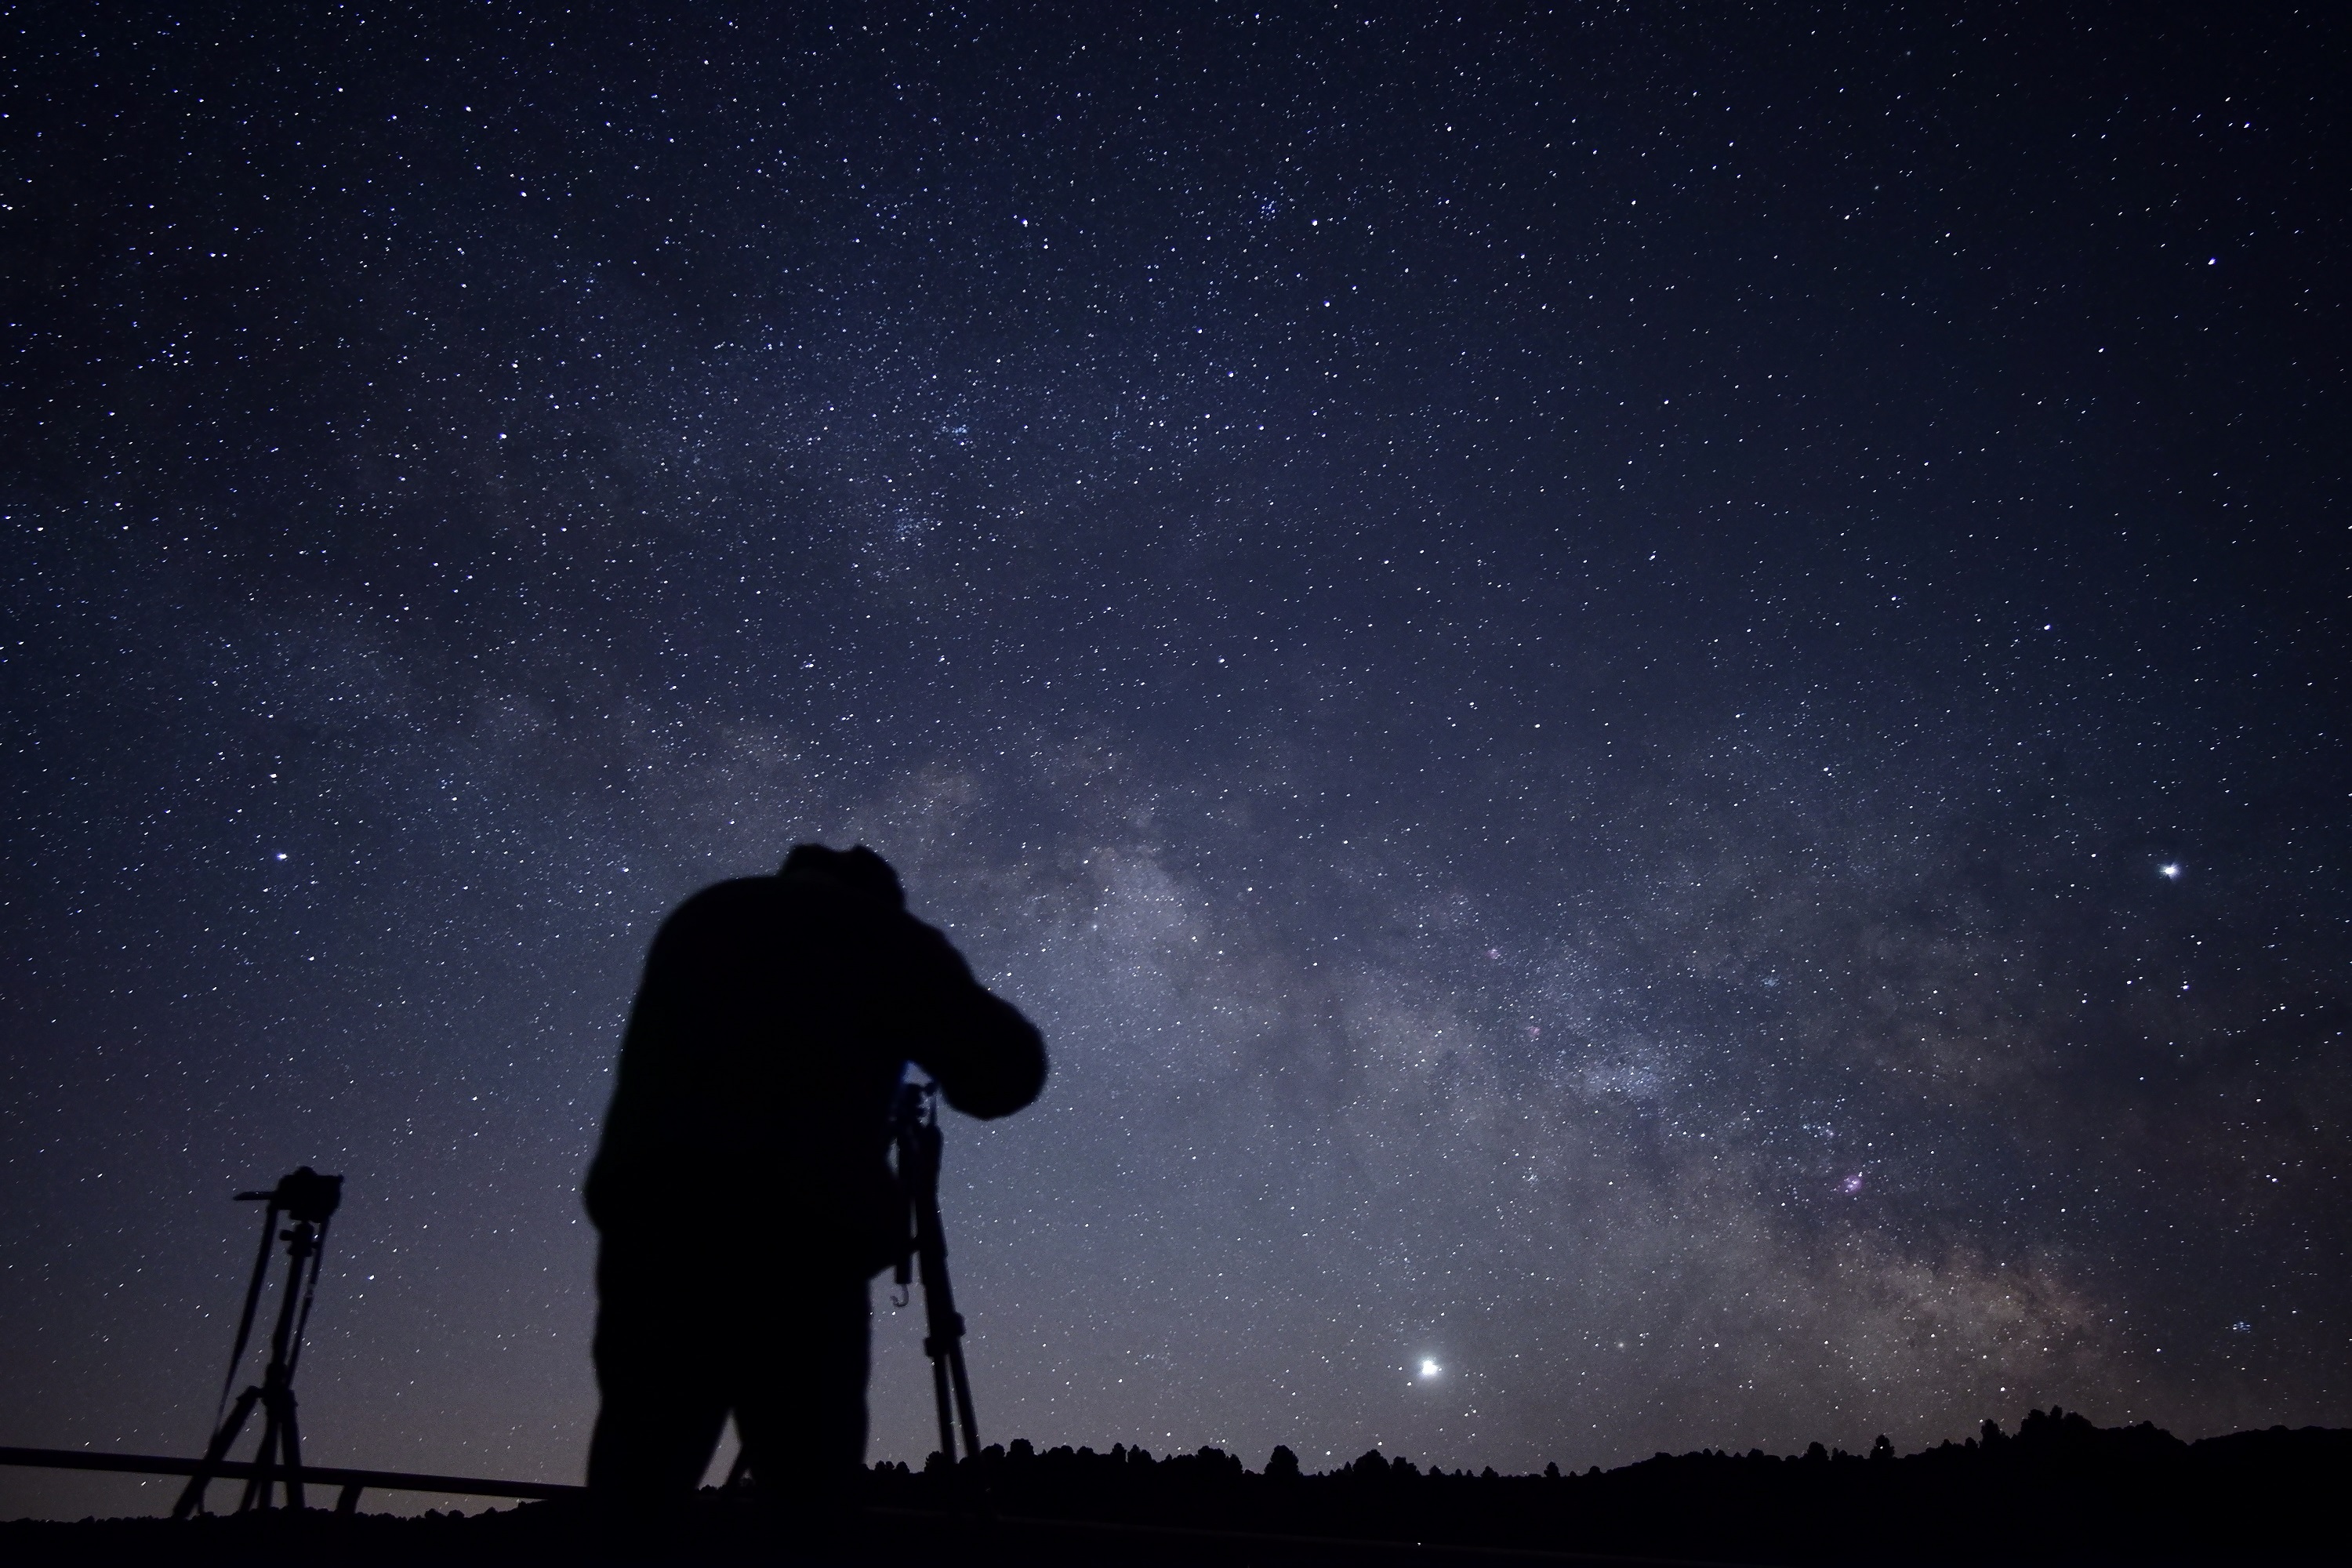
x: 915, y: 1130
x: 923, y: 1249
x: 309, y: 1200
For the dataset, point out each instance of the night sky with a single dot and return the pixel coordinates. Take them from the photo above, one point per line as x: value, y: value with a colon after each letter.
x: 1651, y: 697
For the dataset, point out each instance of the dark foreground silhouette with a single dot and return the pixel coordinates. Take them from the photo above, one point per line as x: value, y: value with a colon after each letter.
x: 2059, y: 1489
x: 741, y: 1189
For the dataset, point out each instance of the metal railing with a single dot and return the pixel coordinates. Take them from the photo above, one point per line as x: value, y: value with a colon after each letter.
x: 352, y: 1482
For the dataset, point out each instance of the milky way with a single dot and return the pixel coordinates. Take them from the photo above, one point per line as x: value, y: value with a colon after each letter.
x: 1653, y: 706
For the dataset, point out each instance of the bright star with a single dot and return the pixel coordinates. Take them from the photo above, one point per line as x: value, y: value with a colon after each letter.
x: 1429, y: 1368
x: 2170, y: 871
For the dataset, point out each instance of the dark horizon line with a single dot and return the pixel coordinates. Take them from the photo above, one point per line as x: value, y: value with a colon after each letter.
x: 352, y: 1480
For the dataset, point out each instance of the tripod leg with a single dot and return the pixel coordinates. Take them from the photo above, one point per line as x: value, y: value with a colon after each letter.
x: 191, y: 1496
x: 257, y: 1485
x: 277, y: 1446
x: 963, y: 1396
x: 289, y: 1446
x: 939, y: 1397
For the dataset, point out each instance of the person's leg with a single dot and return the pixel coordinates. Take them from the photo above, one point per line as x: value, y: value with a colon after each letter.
x: 802, y: 1406
x: 664, y: 1398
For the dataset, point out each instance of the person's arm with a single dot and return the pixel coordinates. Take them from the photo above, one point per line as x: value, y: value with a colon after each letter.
x: 989, y: 1059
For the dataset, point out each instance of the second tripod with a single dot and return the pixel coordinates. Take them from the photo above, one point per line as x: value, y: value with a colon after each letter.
x: 309, y: 1200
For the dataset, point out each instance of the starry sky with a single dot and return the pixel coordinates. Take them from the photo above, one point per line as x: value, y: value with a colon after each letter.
x: 1651, y: 697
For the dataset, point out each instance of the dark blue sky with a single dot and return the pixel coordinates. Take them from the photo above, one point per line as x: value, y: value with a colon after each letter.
x: 1652, y: 703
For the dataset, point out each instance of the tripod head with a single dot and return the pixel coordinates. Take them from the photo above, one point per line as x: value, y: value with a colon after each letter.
x: 916, y: 1106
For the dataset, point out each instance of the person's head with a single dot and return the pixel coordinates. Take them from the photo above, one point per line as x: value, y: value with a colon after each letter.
x: 859, y: 870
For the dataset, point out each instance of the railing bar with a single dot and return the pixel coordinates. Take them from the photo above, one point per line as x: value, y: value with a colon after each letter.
x: 319, y: 1475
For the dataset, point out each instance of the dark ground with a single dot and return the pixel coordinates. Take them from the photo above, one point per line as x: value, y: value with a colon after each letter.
x: 2059, y: 1490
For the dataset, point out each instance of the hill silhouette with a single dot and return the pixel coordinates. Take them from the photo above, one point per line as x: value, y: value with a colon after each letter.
x: 2057, y: 1489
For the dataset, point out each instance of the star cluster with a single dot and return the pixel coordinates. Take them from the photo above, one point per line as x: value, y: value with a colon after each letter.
x: 1651, y: 700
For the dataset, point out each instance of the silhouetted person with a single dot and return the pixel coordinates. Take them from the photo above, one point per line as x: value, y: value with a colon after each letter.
x: 741, y: 1188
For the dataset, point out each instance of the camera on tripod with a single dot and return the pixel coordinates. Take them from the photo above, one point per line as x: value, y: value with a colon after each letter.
x: 304, y: 1196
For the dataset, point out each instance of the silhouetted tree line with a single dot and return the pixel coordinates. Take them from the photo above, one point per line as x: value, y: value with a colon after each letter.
x: 2058, y: 1486
x: 2058, y: 1489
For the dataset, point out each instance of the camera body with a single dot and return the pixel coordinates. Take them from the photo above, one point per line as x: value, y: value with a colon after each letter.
x: 306, y: 1197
